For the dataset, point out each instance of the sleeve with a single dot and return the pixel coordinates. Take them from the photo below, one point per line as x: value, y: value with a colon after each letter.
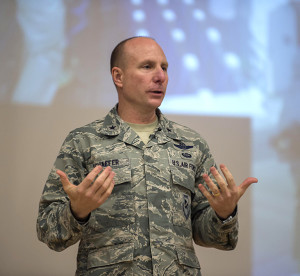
x: 208, y: 229
x: 56, y: 225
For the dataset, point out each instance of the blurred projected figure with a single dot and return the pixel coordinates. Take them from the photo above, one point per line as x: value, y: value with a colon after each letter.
x: 285, y: 38
x: 228, y: 64
x: 42, y: 23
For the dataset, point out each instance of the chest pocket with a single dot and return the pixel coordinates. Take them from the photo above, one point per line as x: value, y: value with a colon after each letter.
x: 118, y: 209
x: 183, y: 184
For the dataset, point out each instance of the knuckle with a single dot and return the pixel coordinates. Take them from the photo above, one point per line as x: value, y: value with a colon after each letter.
x: 107, y: 192
x: 100, y: 201
x: 229, y: 195
x: 89, y: 195
x: 80, y: 190
x: 230, y: 178
x: 223, y: 183
x: 90, y: 178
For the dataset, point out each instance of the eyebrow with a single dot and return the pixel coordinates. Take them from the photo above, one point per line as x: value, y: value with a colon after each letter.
x: 151, y: 61
x: 166, y: 64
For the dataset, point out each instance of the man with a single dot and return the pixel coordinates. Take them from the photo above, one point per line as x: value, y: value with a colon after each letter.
x: 127, y: 186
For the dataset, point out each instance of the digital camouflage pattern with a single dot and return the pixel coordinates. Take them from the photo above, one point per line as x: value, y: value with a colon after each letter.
x: 147, y: 225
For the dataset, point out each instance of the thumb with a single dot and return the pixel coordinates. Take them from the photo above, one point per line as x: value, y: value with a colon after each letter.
x: 246, y: 183
x: 64, y: 180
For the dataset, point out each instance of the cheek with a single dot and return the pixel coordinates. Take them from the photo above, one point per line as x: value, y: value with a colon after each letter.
x: 135, y: 80
x: 142, y: 79
x: 140, y: 84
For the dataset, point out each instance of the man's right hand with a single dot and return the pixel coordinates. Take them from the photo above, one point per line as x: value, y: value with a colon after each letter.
x: 90, y: 193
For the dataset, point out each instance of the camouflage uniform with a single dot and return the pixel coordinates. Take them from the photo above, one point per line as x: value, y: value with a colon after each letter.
x: 147, y: 225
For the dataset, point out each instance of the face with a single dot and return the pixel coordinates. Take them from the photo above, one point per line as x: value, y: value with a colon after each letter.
x: 143, y: 78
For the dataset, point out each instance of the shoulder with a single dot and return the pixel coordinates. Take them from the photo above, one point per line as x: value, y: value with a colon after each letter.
x: 92, y: 129
x: 184, y: 137
x: 183, y: 132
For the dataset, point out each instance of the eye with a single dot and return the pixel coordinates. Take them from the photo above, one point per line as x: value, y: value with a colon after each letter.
x: 164, y: 66
x: 146, y: 66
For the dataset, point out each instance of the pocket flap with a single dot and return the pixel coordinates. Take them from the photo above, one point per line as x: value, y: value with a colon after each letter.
x: 187, y: 256
x: 111, y: 255
x: 184, y: 178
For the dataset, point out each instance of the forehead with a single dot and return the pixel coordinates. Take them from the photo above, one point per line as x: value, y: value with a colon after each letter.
x: 142, y: 48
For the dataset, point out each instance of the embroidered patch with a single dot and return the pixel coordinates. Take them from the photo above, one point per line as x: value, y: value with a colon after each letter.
x: 183, y: 146
x: 183, y: 164
x: 186, y: 206
x: 186, y: 155
x: 113, y: 163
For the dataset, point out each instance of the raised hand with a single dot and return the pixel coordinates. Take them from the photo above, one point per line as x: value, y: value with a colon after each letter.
x: 91, y: 192
x: 224, y: 199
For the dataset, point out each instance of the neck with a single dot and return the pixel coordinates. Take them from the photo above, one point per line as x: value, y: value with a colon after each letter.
x: 135, y: 116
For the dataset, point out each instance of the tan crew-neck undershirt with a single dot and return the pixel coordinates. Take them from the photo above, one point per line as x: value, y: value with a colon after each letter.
x: 144, y: 130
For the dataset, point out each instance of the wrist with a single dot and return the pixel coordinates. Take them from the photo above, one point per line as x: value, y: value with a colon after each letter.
x: 80, y: 218
x: 225, y: 218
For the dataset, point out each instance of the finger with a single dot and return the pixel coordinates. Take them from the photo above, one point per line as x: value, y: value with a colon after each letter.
x: 107, y: 193
x: 212, y: 186
x: 90, y: 178
x: 64, y: 180
x: 246, y: 183
x: 228, y: 176
x: 220, y: 180
x: 101, y: 179
x: 205, y: 192
x: 106, y: 184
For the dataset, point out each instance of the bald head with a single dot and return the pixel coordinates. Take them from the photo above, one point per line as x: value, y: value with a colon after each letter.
x: 118, y: 55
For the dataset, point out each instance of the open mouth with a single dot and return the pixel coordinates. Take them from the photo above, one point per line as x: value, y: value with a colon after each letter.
x: 156, y: 92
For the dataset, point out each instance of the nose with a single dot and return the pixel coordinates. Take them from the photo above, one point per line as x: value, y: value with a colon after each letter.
x: 160, y: 75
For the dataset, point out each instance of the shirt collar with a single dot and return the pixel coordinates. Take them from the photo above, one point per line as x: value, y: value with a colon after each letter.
x: 113, y: 125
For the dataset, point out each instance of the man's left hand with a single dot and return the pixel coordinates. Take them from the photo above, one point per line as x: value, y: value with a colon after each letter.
x: 224, y: 199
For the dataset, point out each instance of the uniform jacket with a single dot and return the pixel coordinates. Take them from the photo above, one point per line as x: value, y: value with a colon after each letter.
x: 148, y: 224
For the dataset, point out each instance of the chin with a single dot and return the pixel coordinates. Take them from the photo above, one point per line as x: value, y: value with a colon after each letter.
x: 155, y: 104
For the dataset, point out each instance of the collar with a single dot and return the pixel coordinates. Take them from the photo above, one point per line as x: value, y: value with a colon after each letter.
x: 113, y: 125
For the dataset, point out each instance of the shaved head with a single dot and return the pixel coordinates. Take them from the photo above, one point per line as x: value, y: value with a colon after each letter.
x: 118, y: 55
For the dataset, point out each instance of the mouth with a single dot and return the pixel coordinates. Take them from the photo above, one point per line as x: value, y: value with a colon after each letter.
x: 157, y: 92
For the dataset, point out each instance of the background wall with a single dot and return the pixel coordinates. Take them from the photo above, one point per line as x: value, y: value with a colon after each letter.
x: 234, y: 77
x: 31, y: 142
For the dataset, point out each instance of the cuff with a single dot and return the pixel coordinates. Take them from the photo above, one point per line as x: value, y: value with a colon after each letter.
x: 79, y: 220
x: 230, y: 217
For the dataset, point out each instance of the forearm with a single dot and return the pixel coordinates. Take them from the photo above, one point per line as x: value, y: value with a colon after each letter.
x: 211, y: 231
x: 56, y: 226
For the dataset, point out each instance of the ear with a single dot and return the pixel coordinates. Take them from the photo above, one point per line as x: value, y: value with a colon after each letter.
x: 117, y: 76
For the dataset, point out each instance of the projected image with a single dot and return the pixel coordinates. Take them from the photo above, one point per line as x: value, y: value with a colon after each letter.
x: 212, y: 55
x: 226, y: 58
